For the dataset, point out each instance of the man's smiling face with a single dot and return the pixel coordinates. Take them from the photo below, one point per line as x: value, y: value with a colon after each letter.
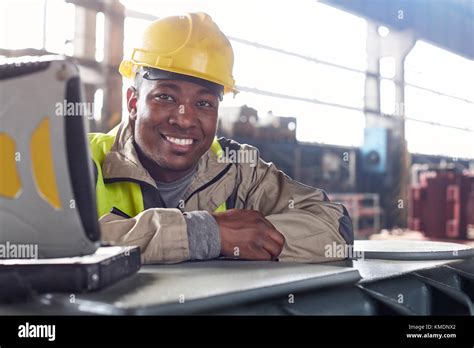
x: 174, y: 123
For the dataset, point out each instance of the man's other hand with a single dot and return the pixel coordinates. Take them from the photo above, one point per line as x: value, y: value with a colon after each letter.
x: 247, y: 234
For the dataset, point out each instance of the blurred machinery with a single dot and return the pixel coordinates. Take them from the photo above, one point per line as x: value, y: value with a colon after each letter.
x: 442, y: 202
x: 374, y: 151
x: 330, y: 167
x: 243, y: 121
x: 237, y: 121
x: 277, y: 128
x: 381, y: 171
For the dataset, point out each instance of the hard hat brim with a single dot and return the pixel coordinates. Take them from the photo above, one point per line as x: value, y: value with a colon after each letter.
x: 159, y: 74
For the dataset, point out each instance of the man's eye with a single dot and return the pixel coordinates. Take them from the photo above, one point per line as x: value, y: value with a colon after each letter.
x: 164, y: 97
x: 205, y: 104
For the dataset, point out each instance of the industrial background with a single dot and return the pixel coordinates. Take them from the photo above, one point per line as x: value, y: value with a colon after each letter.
x: 373, y: 101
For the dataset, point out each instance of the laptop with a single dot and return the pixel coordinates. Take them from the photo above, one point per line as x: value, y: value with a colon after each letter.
x: 49, y: 232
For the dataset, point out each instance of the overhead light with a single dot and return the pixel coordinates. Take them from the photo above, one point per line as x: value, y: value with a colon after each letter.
x: 383, y: 31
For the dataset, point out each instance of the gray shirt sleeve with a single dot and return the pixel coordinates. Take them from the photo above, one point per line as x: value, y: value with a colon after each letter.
x: 203, y: 235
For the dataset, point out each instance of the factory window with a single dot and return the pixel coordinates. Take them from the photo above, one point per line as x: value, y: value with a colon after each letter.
x: 133, y: 28
x: 387, y: 67
x: 292, y: 76
x: 20, y: 28
x: 306, y: 60
x: 387, y: 97
x: 99, y: 37
x: 387, y: 85
x: 60, y: 27
x: 46, y: 24
x: 286, y: 70
x: 98, y: 104
x: 439, y: 102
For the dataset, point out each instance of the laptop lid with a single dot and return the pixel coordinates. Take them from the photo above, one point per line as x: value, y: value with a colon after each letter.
x: 47, y: 191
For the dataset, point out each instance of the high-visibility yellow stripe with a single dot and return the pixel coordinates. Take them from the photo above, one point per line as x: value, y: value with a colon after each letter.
x: 42, y: 164
x: 216, y: 148
x: 10, y: 184
x: 221, y: 208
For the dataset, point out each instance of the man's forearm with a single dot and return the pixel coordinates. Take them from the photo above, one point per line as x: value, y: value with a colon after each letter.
x: 160, y: 233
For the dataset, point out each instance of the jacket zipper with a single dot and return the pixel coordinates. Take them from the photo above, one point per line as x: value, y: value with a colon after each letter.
x: 209, y: 183
x: 201, y: 188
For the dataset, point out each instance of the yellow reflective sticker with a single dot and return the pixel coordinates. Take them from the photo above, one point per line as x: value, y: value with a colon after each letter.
x: 10, y: 184
x: 42, y: 164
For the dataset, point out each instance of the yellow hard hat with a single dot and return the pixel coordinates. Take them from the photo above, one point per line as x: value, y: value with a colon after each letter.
x: 191, y: 45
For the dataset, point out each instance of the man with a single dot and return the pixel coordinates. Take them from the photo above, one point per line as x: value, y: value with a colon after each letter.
x: 164, y: 182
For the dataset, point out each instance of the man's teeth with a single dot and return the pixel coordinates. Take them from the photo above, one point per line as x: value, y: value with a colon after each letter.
x: 180, y: 141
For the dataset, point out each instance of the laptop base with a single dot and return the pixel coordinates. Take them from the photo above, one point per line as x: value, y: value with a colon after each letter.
x: 72, y: 274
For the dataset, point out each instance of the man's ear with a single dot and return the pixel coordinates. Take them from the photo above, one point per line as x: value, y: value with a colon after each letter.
x: 132, y: 96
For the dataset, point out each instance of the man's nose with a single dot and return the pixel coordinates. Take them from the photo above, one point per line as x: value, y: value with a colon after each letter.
x: 184, y: 116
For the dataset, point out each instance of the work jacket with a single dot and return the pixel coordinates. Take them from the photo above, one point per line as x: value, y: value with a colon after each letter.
x: 134, y: 214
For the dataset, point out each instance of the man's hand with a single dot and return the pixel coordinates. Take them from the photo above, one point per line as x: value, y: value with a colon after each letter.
x: 248, y: 235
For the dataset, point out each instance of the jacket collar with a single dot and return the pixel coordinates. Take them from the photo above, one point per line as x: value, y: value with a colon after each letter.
x: 122, y: 164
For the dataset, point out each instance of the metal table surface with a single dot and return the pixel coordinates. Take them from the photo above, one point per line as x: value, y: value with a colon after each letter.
x: 206, y: 287
x: 192, y: 287
x: 253, y: 287
x: 412, y: 250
